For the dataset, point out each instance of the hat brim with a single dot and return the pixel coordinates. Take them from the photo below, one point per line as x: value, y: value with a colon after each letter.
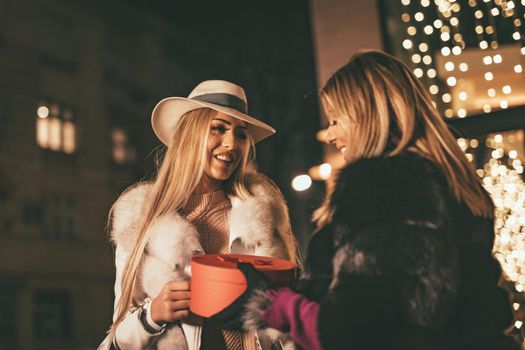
x: 167, y: 112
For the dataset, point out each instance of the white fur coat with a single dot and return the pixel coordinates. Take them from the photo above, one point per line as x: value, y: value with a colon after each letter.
x: 259, y: 226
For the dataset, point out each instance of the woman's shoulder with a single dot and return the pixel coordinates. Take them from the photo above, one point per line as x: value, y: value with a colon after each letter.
x: 397, y: 168
x: 262, y: 186
x: 139, y: 190
x: 132, y: 199
x: 127, y: 211
x: 391, y: 186
x: 404, y: 172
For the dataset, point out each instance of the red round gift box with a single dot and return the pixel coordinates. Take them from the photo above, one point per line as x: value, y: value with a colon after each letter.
x: 216, y: 282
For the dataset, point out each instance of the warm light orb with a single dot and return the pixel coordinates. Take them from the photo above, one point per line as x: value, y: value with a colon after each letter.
x: 301, y: 183
x: 42, y: 112
x: 325, y: 170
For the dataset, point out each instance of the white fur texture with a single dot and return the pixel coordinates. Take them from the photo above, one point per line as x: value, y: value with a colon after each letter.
x: 252, y: 320
x: 258, y: 303
x: 258, y: 226
x: 126, y: 214
x: 172, y: 243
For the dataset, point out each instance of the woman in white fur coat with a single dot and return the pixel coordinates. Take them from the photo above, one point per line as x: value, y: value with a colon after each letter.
x: 205, y: 199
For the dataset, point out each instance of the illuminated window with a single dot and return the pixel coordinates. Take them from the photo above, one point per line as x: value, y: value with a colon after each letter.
x: 123, y: 152
x: 56, y: 127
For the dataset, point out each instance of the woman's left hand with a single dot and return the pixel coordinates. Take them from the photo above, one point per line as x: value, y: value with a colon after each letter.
x: 256, y: 281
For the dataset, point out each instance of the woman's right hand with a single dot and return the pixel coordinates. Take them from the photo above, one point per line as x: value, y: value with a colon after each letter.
x: 172, y: 303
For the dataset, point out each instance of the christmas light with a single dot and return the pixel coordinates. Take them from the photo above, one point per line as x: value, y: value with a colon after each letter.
x: 463, y: 67
x: 431, y: 73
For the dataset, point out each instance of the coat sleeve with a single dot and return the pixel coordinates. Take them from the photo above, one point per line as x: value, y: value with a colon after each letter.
x: 390, y: 280
x: 130, y: 334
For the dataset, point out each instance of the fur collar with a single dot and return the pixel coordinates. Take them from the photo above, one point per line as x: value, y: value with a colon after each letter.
x: 258, y: 226
x: 402, y: 188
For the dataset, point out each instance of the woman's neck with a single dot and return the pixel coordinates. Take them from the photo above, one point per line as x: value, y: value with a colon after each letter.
x: 208, y: 185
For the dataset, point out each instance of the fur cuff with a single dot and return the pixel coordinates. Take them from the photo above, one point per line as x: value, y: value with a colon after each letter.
x: 259, y: 302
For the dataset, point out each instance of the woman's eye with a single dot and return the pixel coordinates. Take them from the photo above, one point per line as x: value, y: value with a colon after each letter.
x: 219, y: 129
x: 242, y: 135
x: 332, y: 122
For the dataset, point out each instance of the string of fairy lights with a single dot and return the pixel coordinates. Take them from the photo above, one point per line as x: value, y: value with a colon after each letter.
x: 502, y: 174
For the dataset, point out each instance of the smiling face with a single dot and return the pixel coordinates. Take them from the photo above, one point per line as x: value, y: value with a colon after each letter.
x: 336, y: 133
x: 226, y: 143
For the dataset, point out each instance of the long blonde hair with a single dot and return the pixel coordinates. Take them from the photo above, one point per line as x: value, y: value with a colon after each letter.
x: 385, y: 111
x: 179, y: 174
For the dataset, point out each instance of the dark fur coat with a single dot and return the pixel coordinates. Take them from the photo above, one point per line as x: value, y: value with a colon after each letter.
x: 403, y: 265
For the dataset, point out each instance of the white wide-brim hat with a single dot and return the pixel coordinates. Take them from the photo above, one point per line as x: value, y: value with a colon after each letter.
x: 218, y: 95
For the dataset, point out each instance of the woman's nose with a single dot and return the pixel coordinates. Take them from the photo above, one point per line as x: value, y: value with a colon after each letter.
x: 228, y: 140
x: 329, y: 138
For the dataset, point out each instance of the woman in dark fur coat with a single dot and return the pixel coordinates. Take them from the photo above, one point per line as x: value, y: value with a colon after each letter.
x: 402, y: 257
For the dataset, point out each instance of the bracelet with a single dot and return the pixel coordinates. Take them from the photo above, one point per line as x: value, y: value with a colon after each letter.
x: 143, y: 318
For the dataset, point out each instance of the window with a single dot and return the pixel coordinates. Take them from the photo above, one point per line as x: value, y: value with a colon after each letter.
x: 59, y: 216
x: 56, y: 127
x: 8, y: 316
x: 123, y: 153
x: 52, y: 319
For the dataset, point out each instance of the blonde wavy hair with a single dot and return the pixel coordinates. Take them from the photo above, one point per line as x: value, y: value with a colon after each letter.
x: 179, y: 174
x: 385, y: 111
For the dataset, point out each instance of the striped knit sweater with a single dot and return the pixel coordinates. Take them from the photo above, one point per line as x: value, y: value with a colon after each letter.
x: 209, y: 214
